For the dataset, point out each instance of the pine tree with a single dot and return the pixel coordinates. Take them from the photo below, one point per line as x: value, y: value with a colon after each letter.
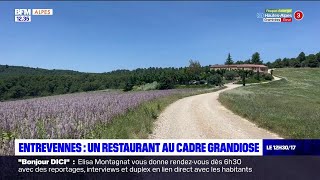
x: 229, y: 60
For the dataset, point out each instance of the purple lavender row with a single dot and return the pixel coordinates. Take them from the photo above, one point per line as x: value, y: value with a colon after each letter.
x: 68, y: 115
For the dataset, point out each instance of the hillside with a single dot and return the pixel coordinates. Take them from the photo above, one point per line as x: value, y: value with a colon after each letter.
x: 23, y: 82
x: 289, y: 107
x: 6, y: 70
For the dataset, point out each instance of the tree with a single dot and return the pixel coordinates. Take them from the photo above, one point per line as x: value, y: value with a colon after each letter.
x: 3, y: 90
x: 17, y: 92
x: 89, y: 86
x: 243, y: 77
x: 239, y: 62
x: 230, y: 75
x: 304, y: 63
x: 256, y: 58
x: 258, y: 75
x: 301, y: 57
x: 269, y: 64
x: 229, y: 60
x: 214, y: 79
x: 285, y: 62
x: 318, y: 58
x: 248, y: 61
x: 278, y: 63
x: 194, y: 69
x: 312, y: 61
x: 166, y: 81
x: 294, y: 62
x: 166, y: 84
x: 128, y: 86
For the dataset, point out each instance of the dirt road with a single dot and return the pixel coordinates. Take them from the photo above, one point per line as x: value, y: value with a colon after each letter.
x: 202, y: 116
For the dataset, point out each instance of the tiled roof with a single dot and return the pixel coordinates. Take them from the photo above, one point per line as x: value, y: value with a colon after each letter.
x: 239, y: 66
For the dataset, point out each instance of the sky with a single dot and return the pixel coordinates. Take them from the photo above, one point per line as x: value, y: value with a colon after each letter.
x: 104, y: 36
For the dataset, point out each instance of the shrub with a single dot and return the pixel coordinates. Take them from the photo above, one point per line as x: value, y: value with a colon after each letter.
x: 215, y: 79
x: 149, y: 86
x: 128, y: 87
x: 257, y: 76
x: 268, y: 77
x: 166, y: 82
x: 165, y: 85
x: 230, y: 75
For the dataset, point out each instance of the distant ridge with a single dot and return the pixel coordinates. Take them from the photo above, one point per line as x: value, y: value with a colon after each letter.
x: 7, y: 70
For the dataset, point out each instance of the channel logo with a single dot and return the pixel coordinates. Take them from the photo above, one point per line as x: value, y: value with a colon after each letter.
x: 42, y: 12
x: 22, y: 12
x: 24, y: 15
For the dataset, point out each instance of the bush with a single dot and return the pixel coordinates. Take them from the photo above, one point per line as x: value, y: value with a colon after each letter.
x: 149, y: 86
x: 257, y: 76
x: 166, y: 82
x: 230, y: 75
x: 128, y: 86
x: 165, y: 85
x: 215, y: 79
x: 17, y: 92
x: 268, y: 77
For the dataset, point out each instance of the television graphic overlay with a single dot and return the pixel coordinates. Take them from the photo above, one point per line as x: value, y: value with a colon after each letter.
x: 24, y: 15
x: 159, y: 90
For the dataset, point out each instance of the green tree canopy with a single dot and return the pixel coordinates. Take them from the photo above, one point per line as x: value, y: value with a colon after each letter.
x: 239, y: 62
x: 194, y: 69
x: 312, y: 61
x: 256, y: 58
x: 248, y: 61
x: 318, y: 58
x: 301, y: 57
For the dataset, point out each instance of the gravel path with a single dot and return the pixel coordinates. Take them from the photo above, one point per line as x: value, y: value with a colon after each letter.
x: 203, y: 117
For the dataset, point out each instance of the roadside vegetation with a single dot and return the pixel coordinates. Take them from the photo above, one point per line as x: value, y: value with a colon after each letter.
x: 256, y: 78
x: 98, y: 114
x: 289, y: 107
x: 138, y: 123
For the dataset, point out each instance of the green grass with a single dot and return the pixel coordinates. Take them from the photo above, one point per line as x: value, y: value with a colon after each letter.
x: 138, y: 123
x: 146, y: 87
x: 289, y: 107
x: 195, y: 86
x: 251, y: 80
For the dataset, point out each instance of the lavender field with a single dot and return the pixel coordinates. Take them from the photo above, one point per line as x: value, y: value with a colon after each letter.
x: 66, y: 116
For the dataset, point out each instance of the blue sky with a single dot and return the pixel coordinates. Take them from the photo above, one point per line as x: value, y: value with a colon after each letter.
x: 104, y: 36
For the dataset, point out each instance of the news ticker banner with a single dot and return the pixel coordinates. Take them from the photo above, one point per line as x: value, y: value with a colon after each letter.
x: 165, y: 147
x: 24, y: 15
x: 280, y: 15
x: 160, y: 167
